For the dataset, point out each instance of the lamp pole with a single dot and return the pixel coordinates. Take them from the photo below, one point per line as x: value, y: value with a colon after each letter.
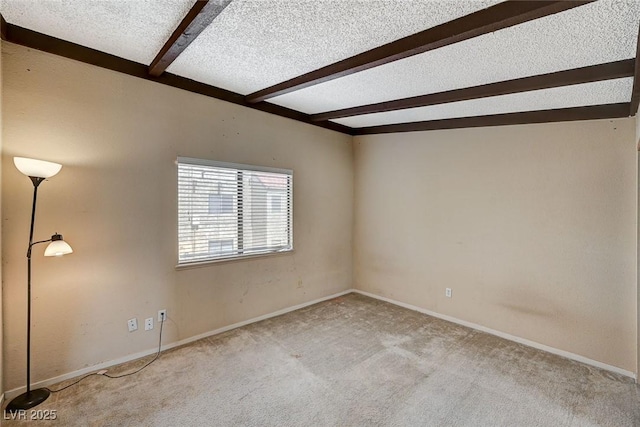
x: 37, y: 171
x: 36, y: 183
x: 30, y: 398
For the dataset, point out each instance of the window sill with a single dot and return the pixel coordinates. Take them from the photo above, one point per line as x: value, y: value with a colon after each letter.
x: 209, y: 263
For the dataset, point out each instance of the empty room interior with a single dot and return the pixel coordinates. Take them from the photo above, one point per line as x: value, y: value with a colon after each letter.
x: 322, y: 213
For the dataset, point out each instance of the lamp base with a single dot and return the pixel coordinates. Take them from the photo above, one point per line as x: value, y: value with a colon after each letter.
x: 28, y: 400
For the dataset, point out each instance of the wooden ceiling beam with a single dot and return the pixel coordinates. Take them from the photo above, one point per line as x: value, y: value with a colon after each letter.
x: 3, y: 28
x: 199, y: 17
x: 593, y: 73
x: 45, y: 43
x: 635, y: 93
x: 606, y: 111
x: 494, y: 18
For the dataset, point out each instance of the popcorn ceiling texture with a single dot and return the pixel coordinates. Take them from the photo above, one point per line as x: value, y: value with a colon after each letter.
x: 596, y: 33
x: 255, y: 44
x: 604, y: 92
x: 132, y: 29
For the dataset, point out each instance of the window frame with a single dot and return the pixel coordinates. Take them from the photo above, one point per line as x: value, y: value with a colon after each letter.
x: 242, y: 167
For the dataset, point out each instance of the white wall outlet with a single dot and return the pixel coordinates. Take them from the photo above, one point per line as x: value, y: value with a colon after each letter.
x: 148, y: 324
x: 447, y: 292
x: 132, y: 324
x: 162, y: 315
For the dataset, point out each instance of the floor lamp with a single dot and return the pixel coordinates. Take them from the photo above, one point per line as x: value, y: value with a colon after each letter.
x: 37, y: 171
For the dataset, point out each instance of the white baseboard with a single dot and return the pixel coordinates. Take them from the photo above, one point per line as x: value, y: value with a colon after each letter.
x: 44, y: 383
x: 10, y: 394
x: 504, y: 335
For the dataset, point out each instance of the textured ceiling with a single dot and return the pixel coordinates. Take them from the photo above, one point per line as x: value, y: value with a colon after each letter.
x: 605, y: 92
x: 255, y: 44
x: 131, y: 29
x: 596, y: 33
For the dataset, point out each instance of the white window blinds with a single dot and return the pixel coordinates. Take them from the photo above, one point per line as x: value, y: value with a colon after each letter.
x: 228, y: 210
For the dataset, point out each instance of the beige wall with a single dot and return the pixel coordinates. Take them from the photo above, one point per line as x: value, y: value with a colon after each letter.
x: 638, y: 253
x: 115, y: 203
x: 1, y: 258
x: 533, y: 227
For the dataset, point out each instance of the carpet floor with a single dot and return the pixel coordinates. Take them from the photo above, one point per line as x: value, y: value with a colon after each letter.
x: 351, y: 361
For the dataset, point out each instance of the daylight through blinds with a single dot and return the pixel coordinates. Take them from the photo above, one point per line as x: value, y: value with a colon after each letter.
x: 227, y: 211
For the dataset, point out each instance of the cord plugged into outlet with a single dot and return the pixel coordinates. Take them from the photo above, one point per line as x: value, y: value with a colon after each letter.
x: 162, y: 314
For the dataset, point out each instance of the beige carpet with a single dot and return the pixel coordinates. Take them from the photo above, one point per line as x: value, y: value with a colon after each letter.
x: 347, y: 362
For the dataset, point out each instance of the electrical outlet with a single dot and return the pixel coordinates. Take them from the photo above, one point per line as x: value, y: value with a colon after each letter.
x: 162, y: 315
x: 148, y: 324
x: 132, y: 324
x: 447, y: 292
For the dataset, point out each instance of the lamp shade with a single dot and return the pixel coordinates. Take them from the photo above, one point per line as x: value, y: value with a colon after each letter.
x: 57, y: 247
x: 36, y: 168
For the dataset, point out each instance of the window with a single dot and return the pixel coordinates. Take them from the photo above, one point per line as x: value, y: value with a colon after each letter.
x: 220, y: 204
x: 276, y: 203
x: 229, y: 211
x: 222, y: 247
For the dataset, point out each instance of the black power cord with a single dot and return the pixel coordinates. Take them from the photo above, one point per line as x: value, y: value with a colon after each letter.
x: 116, y: 376
x: 147, y: 364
